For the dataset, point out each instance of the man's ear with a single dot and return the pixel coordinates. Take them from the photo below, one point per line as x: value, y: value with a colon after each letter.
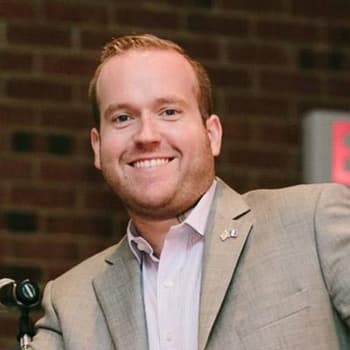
x: 214, y: 130
x: 95, y: 141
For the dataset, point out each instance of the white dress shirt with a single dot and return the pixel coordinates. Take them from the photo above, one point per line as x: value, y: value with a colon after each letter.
x: 171, y: 284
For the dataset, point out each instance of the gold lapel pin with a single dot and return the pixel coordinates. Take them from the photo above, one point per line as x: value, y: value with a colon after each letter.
x: 228, y: 234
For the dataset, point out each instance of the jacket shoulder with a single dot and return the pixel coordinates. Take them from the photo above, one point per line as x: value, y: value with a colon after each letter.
x: 294, y: 192
x: 293, y: 203
x: 80, y: 276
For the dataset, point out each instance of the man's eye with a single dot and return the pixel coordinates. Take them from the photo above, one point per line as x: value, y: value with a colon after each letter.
x: 121, y: 118
x: 170, y: 112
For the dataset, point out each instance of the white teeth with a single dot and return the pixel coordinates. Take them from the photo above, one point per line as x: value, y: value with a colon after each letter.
x: 150, y: 163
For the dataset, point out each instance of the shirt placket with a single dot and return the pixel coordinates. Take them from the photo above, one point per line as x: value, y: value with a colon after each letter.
x: 171, y: 263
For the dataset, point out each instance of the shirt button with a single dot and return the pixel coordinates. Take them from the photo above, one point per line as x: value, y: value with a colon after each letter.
x: 168, y: 284
x: 141, y: 246
x: 169, y: 338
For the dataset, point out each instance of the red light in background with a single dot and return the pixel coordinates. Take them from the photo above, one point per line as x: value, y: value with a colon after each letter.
x: 341, y: 152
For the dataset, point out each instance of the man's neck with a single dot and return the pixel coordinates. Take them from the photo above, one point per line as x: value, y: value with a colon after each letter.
x: 154, y: 231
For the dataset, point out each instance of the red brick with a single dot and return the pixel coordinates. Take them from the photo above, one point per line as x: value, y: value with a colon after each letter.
x: 12, y: 168
x: 267, y: 180
x: 72, y: 118
x: 84, y: 96
x: 304, y: 105
x: 10, y: 9
x: 175, y: 2
x: 68, y: 171
x: 45, y: 249
x: 338, y: 34
x: 95, y: 39
x: 80, y: 13
x: 94, y: 246
x: 8, y: 325
x: 237, y: 130
x: 6, y: 246
x: 39, y: 89
x: 338, y: 87
x: 42, y: 196
x: 15, y: 61
x: 255, y: 6
x: 153, y: 3
x: 263, y: 54
x: 290, y: 83
x: 38, y: 143
x: 320, y: 59
x: 69, y: 65
x: 19, y: 270
x: 84, y: 225
x: 101, y: 199
x: 41, y: 35
x: 200, y: 48
x: 288, y: 31
x: 16, y: 115
x: 57, y: 269
x: 259, y: 158
x: 3, y: 229
x: 8, y: 341
x: 38, y: 248
x: 337, y: 9
x: 281, y: 134
x: 146, y: 18
x: 257, y: 105
x: 211, y: 24
x: 2, y: 201
x: 230, y: 78
x: 239, y: 178
x: 84, y: 146
x: 5, y: 141
x: 331, y: 59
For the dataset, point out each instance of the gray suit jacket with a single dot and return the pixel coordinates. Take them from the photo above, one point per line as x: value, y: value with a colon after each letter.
x: 283, y: 283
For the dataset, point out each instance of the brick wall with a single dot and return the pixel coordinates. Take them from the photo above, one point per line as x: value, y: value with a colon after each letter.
x: 270, y: 61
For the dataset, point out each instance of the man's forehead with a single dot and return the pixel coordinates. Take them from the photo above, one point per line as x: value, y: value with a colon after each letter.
x: 137, y: 58
x: 143, y: 56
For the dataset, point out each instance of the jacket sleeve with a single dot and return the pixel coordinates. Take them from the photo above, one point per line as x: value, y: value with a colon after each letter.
x: 48, y: 334
x: 332, y: 227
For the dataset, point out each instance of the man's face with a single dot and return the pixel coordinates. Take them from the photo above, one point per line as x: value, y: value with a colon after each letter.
x: 153, y: 147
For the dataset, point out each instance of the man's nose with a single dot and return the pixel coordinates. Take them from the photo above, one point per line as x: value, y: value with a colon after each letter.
x: 147, y: 132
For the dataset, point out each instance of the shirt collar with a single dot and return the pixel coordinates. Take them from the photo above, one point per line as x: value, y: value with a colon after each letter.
x: 195, y: 217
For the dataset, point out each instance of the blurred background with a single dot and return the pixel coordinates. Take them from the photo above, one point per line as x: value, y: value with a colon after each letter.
x: 270, y: 61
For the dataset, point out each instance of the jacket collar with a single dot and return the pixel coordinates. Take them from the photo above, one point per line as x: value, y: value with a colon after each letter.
x: 227, y: 230
x: 118, y: 290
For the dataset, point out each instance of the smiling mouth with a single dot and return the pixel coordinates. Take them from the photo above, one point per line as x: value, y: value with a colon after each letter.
x: 151, y: 163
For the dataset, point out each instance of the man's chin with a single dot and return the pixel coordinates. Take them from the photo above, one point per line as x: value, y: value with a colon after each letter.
x: 151, y: 212
x: 156, y: 210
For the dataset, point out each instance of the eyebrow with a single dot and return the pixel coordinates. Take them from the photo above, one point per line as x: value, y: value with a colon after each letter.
x: 170, y: 99
x: 159, y: 101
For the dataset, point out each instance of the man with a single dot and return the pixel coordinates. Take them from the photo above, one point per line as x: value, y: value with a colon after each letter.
x: 201, y: 267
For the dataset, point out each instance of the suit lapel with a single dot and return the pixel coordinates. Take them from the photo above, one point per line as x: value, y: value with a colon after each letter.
x: 119, y: 293
x: 230, y: 214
